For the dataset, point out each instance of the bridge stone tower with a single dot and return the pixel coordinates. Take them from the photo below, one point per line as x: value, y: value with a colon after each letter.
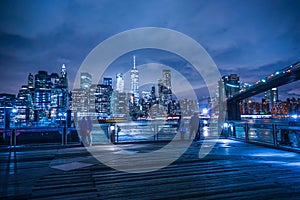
x: 228, y: 87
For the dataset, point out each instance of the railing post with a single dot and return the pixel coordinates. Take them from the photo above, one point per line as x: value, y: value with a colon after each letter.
x: 64, y: 136
x: 246, y: 132
x: 274, y: 133
x: 117, y: 131
x: 11, y: 138
x: 15, y: 137
x: 112, y: 133
x: 154, y: 133
x: 157, y: 132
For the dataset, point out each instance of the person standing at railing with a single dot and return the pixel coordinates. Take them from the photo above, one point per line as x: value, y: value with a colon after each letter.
x: 89, y: 131
x: 83, y: 126
x: 194, y: 125
x: 182, y: 130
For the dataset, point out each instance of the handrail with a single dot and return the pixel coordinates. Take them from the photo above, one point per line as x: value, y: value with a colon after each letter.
x: 283, y: 136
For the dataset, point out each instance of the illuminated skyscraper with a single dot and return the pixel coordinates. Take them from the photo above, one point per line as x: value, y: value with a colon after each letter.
x: 120, y: 82
x: 102, y: 100
x: 30, y: 81
x: 274, y: 95
x: 134, y: 86
x: 271, y: 96
x: 167, y: 78
x: 85, y: 80
x: 63, y: 78
x: 42, y: 80
x: 63, y: 71
x: 107, y: 81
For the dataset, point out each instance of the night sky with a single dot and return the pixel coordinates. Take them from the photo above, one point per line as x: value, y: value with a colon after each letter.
x: 250, y: 38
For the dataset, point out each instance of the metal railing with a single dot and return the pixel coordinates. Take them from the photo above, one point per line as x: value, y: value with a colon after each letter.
x: 124, y: 132
x: 106, y: 133
x: 38, y: 135
x: 277, y: 135
x: 102, y: 133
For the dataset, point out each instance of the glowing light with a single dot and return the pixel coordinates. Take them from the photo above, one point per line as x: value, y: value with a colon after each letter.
x: 204, y: 111
x: 294, y: 116
x: 225, y: 125
x: 14, y: 110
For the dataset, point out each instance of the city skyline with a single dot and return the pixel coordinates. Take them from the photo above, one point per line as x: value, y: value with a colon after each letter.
x: 250, y: 38
x: 126, y: 80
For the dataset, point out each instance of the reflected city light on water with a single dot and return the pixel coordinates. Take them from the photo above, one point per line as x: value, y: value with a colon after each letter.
x: 293, y: 164
x: 271, y: 154
x: 272, y: 162
x: 205, y: 131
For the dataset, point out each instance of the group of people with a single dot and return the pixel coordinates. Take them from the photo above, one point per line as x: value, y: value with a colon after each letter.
x: 194, y: 128
x: 85, y: 128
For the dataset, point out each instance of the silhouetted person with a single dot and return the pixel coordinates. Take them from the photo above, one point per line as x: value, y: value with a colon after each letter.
x: 83, y: 126
x: 194, y: 125
x: 182, y: 130
x: 89, y: 130
x: 179, y: 123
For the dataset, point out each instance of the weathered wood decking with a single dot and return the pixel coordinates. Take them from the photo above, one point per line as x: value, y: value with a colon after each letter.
x: 229, y: 172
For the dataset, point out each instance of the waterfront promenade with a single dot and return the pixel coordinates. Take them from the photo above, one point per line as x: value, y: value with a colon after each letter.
x: 232, y: 170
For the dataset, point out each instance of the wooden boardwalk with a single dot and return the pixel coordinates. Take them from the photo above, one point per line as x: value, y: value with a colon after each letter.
x: 229, y: 172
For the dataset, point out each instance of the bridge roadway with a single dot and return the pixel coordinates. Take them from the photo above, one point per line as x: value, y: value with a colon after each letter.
x: 282, y: 77
x: 232, y: 170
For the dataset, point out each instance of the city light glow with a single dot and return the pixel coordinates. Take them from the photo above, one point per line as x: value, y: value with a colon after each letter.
x: 295, y: 116
x: 14, y: 110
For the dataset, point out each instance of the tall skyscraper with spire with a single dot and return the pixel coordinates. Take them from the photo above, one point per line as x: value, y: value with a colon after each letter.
x: 63, y: 71
x: 134, y: 86
x: 63, y: 78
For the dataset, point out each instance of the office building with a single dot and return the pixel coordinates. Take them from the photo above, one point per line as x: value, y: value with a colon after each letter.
x: 42, y: 80
x: 120, y: 83
x: 167, y: 78
x: 80, y: 102
x: 119, y: 104
x: 30, y: 81
x: 85, y: 80
x: 103, y: 99
x: 107, y: 81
